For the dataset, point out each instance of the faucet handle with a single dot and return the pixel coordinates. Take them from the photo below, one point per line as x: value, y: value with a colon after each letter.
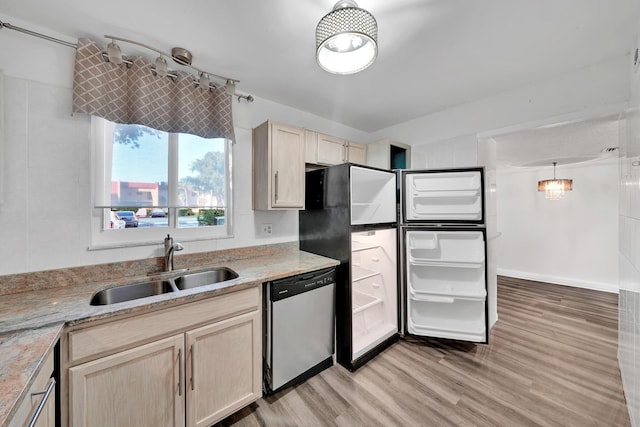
x: 178, y: 247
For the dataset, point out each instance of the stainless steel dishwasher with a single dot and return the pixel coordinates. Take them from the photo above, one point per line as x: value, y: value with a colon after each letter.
x: 299, y: 313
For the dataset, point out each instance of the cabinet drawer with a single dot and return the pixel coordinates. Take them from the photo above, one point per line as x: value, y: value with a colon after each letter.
x: 121, y: 334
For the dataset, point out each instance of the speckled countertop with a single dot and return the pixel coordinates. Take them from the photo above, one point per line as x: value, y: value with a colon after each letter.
x: 31, y: 322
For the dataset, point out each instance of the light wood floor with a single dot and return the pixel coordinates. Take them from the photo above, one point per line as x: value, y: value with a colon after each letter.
x: 551, y: 361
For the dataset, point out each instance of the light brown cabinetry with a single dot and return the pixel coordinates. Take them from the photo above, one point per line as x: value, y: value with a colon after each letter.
x: 40, y: 394
x: 356, y: 153
x: 189, y: 365
x: 137, y: 387
x: 322, y: 149
x: 221, y: 376
x: 331, y: 150
x: 278, y: 167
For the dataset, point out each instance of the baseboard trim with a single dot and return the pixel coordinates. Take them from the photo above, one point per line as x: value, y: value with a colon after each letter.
x: 566, y: 281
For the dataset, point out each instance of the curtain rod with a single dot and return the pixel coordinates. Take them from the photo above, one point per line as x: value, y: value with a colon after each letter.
x: 9, y: 26
x: 35, y: 34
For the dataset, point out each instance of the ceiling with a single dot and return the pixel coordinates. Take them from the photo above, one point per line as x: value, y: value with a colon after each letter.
x: 433, y: 54
x: 564, y: 143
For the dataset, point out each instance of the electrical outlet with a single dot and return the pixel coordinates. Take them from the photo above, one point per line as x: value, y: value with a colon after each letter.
x: 267, y: 229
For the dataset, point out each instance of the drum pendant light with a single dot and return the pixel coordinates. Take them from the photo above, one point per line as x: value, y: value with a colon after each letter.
x: 346, y: 39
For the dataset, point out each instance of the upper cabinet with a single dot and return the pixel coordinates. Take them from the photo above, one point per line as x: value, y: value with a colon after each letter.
x: 322, y: 149
x: 330, y: 150
x: 356, y: 153
x: 278, y: 167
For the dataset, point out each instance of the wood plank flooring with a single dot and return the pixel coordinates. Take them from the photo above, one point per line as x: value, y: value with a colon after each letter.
x: 551, y: 361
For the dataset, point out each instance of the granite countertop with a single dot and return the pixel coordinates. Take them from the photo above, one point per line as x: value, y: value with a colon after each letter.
x: 31, y: 322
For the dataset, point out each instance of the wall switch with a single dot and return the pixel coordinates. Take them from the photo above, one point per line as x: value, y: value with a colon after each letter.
x: 267, y: 229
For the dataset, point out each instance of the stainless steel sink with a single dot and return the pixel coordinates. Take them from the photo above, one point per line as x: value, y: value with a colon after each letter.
x: 131, y: 292
x: 203, y: 278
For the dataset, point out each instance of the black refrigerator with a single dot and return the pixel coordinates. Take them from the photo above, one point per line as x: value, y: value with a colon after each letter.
x: 399, y: 275
x: 350, y: 215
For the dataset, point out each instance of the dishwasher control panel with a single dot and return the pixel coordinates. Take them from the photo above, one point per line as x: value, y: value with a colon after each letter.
x: 294, y: 285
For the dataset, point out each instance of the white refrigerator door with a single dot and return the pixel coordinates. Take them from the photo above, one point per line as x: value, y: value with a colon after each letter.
x: 373, y: 196
x: 443, y: 196
x: 446, y: 283
x: 374, y: 288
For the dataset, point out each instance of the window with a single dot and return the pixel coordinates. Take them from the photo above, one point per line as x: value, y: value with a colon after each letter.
x: 149, y: 183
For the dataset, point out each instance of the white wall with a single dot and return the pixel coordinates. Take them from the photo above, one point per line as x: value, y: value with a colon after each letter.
x: 629, y: 254
x: 45, y: 218
x: 572, y: 241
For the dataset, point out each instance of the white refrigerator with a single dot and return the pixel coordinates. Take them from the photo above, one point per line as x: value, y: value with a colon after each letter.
x: 399, y: 274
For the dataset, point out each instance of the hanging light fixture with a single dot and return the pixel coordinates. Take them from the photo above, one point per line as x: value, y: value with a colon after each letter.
x: 554, y: 188
x: 203, y: 82
x: 162, y: 68
x: 114, y: 53
x: 346, y: 39
x: 230, y: 87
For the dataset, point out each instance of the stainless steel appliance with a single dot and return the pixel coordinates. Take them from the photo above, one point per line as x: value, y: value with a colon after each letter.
x: 299, y: 314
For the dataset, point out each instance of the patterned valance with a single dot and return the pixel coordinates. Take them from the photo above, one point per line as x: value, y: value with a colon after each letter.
x: 135, y: 95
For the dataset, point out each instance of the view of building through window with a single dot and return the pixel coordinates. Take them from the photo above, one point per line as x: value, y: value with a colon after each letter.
x: 144, y: 162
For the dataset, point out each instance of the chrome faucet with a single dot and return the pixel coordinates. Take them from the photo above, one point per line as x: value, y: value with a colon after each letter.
x: 169, y: 249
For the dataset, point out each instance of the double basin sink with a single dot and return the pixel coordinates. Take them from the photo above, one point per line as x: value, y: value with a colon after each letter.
x: 162, y: 286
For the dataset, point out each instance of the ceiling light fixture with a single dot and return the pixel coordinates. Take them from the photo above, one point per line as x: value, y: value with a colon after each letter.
x: 554, y: 188
x: 230, y: 87
x: 180, y: 56
x: 204, y: 81
x: 114, y: 53
x: 162, y: 69
x: 346, y: 39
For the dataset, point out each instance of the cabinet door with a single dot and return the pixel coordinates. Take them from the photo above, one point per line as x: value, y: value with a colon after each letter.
x: 224, y: 368
x: 330, y: 150
x: 287, y: 166
x: 310, y: 146
x: 138, y: 387
x: 357, y: 153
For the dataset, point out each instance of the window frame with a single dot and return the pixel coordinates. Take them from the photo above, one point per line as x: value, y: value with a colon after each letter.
x: 101, y: 144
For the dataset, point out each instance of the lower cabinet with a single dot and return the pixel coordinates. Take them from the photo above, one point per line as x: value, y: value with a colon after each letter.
x: 211, y: 368
x: 39, y: 405
x: 137, y: 387
x: 221, y: 358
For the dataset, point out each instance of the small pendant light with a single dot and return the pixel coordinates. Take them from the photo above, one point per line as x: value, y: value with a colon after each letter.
x: 554, y: 188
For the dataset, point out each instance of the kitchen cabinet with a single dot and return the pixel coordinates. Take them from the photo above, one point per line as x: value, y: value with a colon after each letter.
x: 42, y: 394
x: 356, y: 153
x: 189, y: 365
x: 219, y: 355
x: 278, y: 167
x: 137, y: 387
x: 329, y: 150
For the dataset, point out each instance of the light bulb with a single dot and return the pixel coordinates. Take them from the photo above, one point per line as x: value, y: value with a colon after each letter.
x: 230, y: 87
x: 113, y: 53
x: 161, y: 67
x: 204, y: 81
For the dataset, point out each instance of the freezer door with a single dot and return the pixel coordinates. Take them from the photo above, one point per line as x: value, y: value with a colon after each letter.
x: 445, y: 276
x: 451, y: 196
x: 373, y: 196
